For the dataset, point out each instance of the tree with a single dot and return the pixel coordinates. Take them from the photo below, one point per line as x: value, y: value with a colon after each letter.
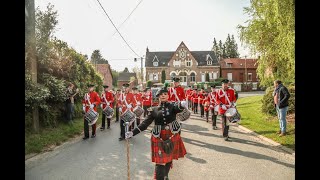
x: 126, y: 70
x: 96, y: 58
x: 224, y: 53
x: 163, y: 76
x: 215, y: 48
x: 115, y: 76
x: 234, y: 48
x: 207, y: 77
x: 220, y: 50
x: 149, y: 84
x: 228, y: 47
x: 270, y: 34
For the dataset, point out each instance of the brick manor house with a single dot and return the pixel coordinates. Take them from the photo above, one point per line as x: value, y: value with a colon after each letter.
x: 190, y: 66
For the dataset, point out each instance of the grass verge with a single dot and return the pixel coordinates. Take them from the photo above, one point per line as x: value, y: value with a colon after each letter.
x: 48, y: 138
x: 265, y: 125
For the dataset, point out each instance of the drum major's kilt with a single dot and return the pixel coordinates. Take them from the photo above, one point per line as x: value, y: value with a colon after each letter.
x: 178, y: 152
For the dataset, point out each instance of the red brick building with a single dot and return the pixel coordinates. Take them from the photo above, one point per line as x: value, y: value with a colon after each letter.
x: 190, y: 66
x: 127, y: 77
x: 240, y: 72
x: 105, y: 71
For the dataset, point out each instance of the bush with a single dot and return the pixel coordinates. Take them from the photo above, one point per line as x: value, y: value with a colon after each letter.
x: 268, y: 101
x: 149, y: 84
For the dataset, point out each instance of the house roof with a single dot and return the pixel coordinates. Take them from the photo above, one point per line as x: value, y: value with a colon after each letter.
x: 239, y: 63
x: 124, y: 76
x: 202, y: 57
x: 164, y: 56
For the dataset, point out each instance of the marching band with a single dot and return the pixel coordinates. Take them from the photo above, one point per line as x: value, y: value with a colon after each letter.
x: 134, y: 111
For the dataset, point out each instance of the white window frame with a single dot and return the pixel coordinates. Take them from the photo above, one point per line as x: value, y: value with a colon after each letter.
x: 155, y: 76
x: 188, y: 61
x: 203, y: 77
x: 210, y: 75
x: 209, y: 62
x: 214, y: 75
x: 193, y: 78
x: 229, y: 75
x: 151, y: 76
x: 155, y: 63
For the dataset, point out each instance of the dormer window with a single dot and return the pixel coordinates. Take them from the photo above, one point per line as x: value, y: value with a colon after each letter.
x: 209, y: 59
x: 155, y: 61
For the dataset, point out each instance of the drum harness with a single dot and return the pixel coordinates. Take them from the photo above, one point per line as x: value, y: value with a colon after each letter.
x: 224, y: 94
x: 212, y: 96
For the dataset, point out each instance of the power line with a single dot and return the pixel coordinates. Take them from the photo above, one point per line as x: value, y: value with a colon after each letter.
x: 117, y: 28
x: 127, y: 17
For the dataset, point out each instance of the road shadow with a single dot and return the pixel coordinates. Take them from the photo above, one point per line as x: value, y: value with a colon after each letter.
x: 229, y: 150
x: 195, y: 159
x: 198, y: 130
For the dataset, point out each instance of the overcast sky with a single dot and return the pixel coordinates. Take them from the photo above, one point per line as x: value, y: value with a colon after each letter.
x: 160, y: 25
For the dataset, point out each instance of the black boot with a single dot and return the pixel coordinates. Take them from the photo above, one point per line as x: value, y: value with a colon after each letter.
x: 167, y: 167
x: 160, y: 172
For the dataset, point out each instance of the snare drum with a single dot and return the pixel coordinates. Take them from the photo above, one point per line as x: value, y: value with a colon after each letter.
x: 235, y: 119
x: 91, y: 116
x: 108, y: 111
x: 230, y: 112
x: 138, y: 111
x: 128, y: 116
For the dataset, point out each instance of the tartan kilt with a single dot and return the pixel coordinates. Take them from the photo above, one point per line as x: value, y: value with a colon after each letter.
x: 178, y: 151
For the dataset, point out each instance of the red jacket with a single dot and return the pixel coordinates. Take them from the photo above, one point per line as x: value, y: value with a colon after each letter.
x: 221, y: 99
x: 137, y: 98
x: 93, y: 98
x: 200, y: 98
x: 107, y: 96
x: 147, y: 97
x: 129, y: 100
x: 179, y: 92
x: 206, y: 104
x: 195, y: 97
x: 188, y: 94
x: 212, y: 98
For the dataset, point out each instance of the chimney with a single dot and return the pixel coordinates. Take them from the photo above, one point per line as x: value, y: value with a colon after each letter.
x: 147, y: 49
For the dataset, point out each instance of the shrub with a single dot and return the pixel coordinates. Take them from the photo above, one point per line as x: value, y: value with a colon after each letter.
x: 268, y: 101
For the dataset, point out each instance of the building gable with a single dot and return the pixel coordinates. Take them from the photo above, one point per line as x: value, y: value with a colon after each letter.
x: 181, y: 56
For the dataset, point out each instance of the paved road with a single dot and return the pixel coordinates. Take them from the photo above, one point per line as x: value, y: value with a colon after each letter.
x: 209, y: 157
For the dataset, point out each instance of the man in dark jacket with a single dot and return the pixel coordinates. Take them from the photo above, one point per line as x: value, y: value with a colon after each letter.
x: 281, y: 96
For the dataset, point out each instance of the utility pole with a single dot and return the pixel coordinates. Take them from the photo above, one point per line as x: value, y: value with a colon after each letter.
x: 31, y: 54
x: 141, y: 68
x: 245, y: 70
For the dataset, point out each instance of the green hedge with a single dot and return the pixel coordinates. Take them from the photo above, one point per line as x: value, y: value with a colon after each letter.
x: 268, y: 101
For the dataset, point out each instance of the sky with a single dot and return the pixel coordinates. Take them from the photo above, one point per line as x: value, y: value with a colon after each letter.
x: 160, y: 25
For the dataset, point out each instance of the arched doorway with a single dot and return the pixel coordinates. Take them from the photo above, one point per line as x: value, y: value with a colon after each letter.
x: 183, y: 78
